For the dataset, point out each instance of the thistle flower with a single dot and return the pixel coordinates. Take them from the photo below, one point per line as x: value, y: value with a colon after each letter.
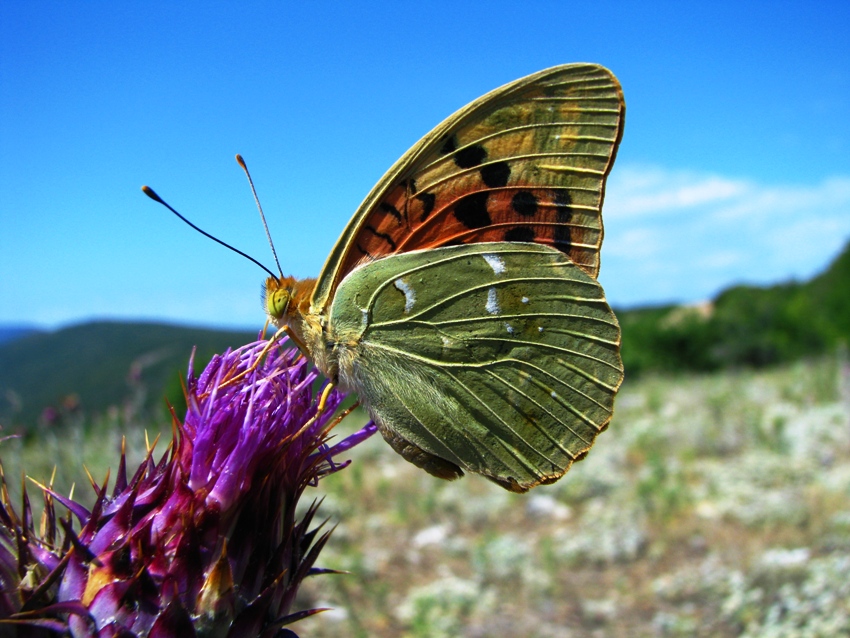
x: 204, y: 542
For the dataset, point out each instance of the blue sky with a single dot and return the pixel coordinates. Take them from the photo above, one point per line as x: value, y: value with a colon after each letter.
x: 735, y: 165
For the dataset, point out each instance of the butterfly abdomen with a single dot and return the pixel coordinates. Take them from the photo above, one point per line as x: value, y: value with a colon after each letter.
x: 434, y: 465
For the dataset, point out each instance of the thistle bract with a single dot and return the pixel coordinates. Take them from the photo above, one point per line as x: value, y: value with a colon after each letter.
x: 206, y: 540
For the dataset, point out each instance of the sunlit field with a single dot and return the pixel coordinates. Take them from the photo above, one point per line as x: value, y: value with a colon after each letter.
x: 714, y: 505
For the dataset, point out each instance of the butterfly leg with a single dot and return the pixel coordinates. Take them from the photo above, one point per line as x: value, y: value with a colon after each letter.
x: 339, y: 418
x: 295, y: 339
x: 320, y: 408
x: 324, y: 398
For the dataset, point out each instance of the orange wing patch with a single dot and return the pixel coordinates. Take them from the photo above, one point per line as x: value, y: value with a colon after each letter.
x: 529, y: 169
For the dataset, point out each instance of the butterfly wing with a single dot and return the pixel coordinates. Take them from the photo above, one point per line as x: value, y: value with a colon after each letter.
x: 526, y: 163
x: 501, y: 358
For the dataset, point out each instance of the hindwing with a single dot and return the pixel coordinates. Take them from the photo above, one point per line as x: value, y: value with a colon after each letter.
x: 502, y: 358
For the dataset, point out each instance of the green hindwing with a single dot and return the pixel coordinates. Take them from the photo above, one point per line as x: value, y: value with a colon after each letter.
x: 503, y: 358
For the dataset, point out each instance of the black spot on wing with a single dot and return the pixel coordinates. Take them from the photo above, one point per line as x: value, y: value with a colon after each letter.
x: 520, y: 233
x: 383, y: 236
x: 496, y: 174
x: 563, y: 233
x: 449, y: 146
x: 524, y: 203
x: 470, y: 156
x: 427, y: 200
x: 392, y: 210
x: 471, y: 210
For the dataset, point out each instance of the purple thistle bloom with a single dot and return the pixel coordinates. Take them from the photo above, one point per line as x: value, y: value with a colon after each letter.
x: 203, y: 542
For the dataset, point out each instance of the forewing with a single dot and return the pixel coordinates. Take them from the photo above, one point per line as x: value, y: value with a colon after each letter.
x: 524, y: 163
x: 502, y: 358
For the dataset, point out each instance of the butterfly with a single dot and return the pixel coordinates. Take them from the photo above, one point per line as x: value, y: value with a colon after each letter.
x: 461, y: 303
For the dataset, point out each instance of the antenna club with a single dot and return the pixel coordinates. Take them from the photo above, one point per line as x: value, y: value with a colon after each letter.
x: 147, y: 190
x: 241, y: 162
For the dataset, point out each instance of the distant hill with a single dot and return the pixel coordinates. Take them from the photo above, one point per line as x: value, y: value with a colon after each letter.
x: 11, y: 333
x: 97, y: 365
x: 742, y: 326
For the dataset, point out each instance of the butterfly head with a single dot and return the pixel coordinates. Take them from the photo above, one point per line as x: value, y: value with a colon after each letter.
x: 286, y: 300
x: 278, y: 297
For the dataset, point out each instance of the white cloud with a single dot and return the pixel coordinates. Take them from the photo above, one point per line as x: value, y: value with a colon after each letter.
x: 653, y: 191
x: 635, y: 243
x: 770, y: 201
x: 722, y: 259
x: 683, y: 236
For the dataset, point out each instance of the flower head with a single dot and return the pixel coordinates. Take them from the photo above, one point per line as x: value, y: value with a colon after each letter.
x: 205, y: 541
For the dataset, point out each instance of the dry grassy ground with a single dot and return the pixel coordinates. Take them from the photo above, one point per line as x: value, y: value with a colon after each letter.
x: 713, y: 506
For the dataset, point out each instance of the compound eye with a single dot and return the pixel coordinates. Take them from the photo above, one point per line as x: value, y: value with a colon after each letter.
x: 277, y: 302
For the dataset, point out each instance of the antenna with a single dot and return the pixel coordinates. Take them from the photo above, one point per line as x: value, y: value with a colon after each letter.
x: 260, y: 208
x: 147, y: 190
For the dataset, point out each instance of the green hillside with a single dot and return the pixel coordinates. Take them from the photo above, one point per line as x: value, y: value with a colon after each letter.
x: 99, y: 365
x: 743, y: 326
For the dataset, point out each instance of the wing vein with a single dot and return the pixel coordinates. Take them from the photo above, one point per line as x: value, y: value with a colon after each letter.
x: 539, y: 405
x: 510, y: 449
